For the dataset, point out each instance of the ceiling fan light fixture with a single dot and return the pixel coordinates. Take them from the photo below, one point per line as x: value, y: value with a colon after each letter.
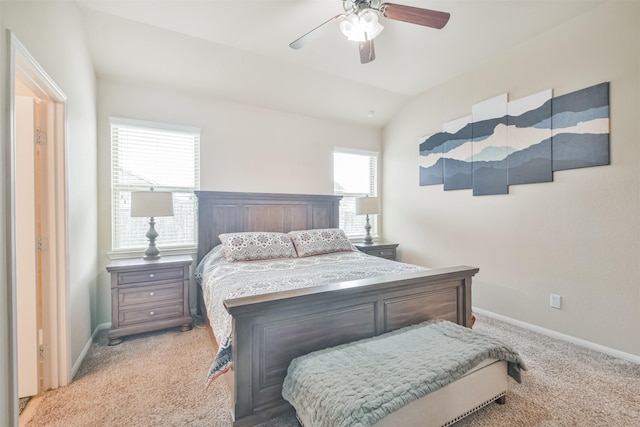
x: 348, y: 25
x: 368, y: 18
x: 362, y: 26
x: 370, y: 23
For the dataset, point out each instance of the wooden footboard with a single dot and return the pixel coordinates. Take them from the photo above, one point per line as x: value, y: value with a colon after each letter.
x: 270, y: 330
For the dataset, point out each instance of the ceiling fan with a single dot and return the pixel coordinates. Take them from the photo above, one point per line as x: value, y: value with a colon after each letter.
x: 359, y: 22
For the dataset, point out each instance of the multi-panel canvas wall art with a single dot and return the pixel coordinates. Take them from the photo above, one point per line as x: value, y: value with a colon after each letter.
x: 524, y: 141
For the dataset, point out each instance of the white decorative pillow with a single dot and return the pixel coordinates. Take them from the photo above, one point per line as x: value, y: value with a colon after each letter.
x: 321, y: 241
x: 253, y: 246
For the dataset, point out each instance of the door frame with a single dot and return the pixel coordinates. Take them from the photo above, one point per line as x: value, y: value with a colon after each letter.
x: 22, y: 66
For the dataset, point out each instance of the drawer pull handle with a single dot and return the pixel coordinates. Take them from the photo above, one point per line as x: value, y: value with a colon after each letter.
x: 151, y: 276
x: 151, y: 294
x: 381, y: 252
x: 151, y: 313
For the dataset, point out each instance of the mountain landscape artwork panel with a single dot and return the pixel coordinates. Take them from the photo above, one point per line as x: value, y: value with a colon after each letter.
x: 518, y: 142
x: 580, y: 122
x: 490, y: 147
x: 431, y: 170
x: 529, y: 135
x: 458, y: 165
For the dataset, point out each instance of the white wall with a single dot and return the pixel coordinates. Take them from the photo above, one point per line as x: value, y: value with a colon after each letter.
x: 578, y: 236
x: 52, y: 32
x: 243, y: 148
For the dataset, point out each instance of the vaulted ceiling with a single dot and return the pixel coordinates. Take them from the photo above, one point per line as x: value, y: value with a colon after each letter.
x: 238, y: 50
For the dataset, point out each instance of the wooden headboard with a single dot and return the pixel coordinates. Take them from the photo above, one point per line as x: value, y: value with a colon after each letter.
x: 230, y: 212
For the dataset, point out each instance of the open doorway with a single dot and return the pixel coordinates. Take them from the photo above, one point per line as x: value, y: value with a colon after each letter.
x: 38, y: 247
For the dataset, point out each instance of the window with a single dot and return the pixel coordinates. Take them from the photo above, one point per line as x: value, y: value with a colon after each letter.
x: 355, y: 174
x: 165, y: 157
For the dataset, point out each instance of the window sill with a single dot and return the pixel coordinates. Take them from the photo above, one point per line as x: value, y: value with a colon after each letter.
x: 133, y: 253
x: 360, y: 239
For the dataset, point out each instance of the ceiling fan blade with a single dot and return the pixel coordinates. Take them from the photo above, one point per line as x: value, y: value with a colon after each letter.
x: 415, y: 15
x: 311, y: 35
x: 367, y: 51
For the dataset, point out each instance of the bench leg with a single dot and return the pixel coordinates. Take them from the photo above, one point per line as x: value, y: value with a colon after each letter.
x: 501, y: 400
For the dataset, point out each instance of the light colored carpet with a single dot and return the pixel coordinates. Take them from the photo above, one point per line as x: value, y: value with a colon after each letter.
x: 157, y: 379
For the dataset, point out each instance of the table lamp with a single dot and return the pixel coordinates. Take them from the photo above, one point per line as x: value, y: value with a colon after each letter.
x: 367, y: 206
x: 151, y: 204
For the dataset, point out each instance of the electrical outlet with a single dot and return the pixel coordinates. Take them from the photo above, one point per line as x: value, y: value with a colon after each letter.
x: 555, y: 301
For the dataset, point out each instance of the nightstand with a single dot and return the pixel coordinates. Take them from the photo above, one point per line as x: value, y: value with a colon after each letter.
x: 149, y: 295
x: 379, y: 249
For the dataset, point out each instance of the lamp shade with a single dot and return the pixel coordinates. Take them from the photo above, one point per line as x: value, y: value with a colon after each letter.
x: 151, y: 203
x: 367, y: 206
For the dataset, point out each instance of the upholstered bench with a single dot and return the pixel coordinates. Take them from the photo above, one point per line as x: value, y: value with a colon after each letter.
x: 430, y: 374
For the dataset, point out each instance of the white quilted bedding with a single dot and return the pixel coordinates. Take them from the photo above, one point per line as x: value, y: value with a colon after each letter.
x: 221, y: 280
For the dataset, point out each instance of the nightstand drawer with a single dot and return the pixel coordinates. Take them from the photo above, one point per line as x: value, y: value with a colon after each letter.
x: 158, y: 274
x: 379, y: 249
x: 150, y: 313
x: 383, y: 253
x: 150, y: 294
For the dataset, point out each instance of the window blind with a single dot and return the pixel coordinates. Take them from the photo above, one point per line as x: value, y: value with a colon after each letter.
x: 355, y: 174
x: 165, y: 157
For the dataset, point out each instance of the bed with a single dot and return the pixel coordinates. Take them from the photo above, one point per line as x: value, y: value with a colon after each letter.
x: 269, y: 330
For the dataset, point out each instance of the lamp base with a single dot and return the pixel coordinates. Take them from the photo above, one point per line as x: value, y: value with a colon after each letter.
x: 152, y: 252
x: 368, y: 240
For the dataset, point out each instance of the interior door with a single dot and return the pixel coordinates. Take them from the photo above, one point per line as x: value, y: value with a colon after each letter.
x: 26, y: 248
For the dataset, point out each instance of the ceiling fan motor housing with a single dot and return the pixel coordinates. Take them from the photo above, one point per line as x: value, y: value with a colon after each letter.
x: 357, y: 6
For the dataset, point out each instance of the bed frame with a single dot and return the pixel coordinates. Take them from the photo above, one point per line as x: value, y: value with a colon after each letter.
x: 270, y: 330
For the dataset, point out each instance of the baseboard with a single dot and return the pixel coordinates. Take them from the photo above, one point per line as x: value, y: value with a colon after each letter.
x: 83, y: 353
x: 553, y: 334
